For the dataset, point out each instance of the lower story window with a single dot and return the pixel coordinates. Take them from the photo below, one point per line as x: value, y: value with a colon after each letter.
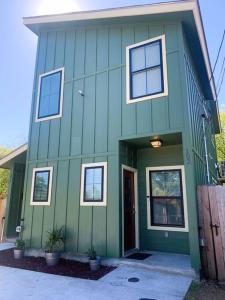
x: 41, y: 186
x: 166, y: 198
x: 93, y: 184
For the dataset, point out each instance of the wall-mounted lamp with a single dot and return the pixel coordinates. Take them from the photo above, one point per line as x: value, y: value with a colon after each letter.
x: 81, y: 93
x: 156, y: 143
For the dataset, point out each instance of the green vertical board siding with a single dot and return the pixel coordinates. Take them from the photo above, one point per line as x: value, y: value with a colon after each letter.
x: 54, y: 131
x: 73, y: 206
x: 102, y: 49
x: 155, y: 239
x: 44, y: 126
x: 128, y: 111
x: 114, y: 120
x: 101, y: 113
x: 77, y: 118
x: 89, y: 116
x: 115, y: 46
x: 113, y: 208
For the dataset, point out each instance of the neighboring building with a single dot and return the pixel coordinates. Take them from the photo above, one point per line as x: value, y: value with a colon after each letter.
x: 107, y: 83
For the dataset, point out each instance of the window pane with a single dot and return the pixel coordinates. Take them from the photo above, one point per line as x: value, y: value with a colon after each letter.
x: 93, y: 184
x: 173, y: 186
x: 89, y: 192
x: 41, y: 186
x: 137, y: 59
x: 174, y: 211
x: 166, y: 183
x: 167, y: 212
x: 49, y: 95
x: 154, y: 81
x: 97, y: 192
x: 152, y: 55
x: 159, y: 212
x: 139, y: 84
x: 158, y: 183
x: 98, y: 175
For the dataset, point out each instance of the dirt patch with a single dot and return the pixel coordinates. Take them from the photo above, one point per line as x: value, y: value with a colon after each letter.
x: 206, y: 290
x: 65, y: 267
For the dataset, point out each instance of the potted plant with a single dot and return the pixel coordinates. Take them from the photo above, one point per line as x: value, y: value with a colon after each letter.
x: 19, y: 249
x: 54, y: 242
x: 94, y: 261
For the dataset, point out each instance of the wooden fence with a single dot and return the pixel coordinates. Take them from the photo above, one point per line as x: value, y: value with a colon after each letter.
x: 211, y: 205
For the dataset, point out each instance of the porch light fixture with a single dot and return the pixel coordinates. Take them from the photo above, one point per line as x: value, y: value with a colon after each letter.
x: 157, y: 143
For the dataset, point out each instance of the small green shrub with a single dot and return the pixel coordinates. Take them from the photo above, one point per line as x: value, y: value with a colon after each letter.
x: 55, y: 240
x: 20, y: 244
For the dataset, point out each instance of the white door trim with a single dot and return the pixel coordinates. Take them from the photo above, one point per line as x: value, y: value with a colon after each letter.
x: 125, y: 167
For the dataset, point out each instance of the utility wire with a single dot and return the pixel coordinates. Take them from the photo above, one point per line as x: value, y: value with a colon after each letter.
x: 218, y: 54
x: 221, y: 81
x: 221, y: 72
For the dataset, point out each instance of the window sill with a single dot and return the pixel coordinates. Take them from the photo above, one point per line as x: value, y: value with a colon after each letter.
x: 164, y: 228
x: 130, y: 101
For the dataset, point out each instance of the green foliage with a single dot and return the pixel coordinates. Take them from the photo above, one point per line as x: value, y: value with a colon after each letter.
x: 20, y: 244
x: 4, y: 176
x: 55, y: 240
x: 220, y: 139
x: 92, y: 253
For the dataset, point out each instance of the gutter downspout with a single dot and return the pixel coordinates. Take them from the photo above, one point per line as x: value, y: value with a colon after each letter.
x: 206, y: 149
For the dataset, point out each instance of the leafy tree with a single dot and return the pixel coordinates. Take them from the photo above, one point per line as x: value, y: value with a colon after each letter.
x: 220, y: 139
x: 4, y: 176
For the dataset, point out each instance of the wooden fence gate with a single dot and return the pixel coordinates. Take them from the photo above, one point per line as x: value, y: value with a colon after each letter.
x: 211, y: 205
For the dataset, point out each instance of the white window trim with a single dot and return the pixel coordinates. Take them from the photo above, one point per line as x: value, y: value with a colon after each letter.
x: 89, y: 165
x: 165, y: 228
x: 61, y: 96
x: 164, y: 63
x: 49, y: 188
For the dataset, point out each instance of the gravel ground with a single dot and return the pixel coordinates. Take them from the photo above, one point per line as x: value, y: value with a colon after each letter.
x: 206, y: 291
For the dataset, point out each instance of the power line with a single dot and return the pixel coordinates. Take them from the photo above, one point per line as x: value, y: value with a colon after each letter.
x: 221, y: 72
x: 221, y: 81
x: 218, y: 54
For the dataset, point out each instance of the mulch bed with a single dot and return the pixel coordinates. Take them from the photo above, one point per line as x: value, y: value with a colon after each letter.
x: 65, y: 267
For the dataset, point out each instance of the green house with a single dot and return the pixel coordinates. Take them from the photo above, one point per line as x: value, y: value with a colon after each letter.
x: 122, y: 128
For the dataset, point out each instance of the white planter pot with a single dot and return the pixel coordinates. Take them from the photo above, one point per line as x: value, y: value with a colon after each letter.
x: 94, y: 264
x: 18, y: 253
x: 52, y: 258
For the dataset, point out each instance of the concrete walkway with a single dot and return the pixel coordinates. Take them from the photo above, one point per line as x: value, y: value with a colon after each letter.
x: 22, y: 284
x: 152, y: 284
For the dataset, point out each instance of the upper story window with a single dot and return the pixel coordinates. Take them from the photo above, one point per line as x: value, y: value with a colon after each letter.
x: 93, y: 184
x: 41, y: 186
x: 50, y: 95
x: 146, y: 70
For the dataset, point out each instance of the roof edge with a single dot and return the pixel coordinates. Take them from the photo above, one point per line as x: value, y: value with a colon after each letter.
x: 13, y: 154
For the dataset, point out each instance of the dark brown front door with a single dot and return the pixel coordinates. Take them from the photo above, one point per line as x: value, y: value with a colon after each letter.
x: 129, y: 210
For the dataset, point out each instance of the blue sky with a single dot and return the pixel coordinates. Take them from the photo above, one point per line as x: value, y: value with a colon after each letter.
x: 18, y: 50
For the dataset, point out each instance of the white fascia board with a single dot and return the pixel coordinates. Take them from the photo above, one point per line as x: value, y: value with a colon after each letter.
x: 139, y: 10
x: 13, y: 154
